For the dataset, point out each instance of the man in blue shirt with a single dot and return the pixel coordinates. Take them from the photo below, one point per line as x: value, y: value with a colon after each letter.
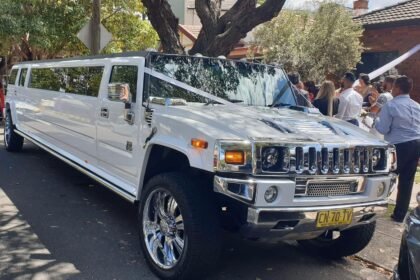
x: 399, y: 122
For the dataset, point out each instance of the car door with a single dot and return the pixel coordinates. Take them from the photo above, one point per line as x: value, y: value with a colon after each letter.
x: 118, y: 147
x: 21, y: 97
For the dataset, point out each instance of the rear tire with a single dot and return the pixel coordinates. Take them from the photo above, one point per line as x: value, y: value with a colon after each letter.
x: 12, y: 141
x: 189, y: 217
x: 350, y: 242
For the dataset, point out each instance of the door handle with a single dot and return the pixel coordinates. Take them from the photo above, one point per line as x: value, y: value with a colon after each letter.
x: 104, y: 112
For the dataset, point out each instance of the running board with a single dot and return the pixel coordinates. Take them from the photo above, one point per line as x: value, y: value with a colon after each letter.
x: 85, y: 171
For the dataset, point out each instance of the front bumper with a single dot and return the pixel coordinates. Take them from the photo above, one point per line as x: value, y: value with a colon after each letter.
x: 294, y: 217
x: 300, y: 223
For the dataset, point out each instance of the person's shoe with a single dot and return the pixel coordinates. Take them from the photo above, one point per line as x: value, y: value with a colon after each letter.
x: 397, y: 219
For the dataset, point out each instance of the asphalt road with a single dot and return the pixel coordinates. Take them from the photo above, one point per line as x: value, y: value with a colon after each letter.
x: 81, y: 223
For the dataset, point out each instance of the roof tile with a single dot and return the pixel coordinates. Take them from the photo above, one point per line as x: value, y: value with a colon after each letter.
x: 403, y: 11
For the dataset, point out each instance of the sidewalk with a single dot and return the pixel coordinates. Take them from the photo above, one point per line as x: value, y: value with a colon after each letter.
x: 384, y: 248
x: 26, y: 257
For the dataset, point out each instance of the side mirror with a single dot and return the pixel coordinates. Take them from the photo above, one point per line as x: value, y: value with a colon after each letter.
x: 119, y: 92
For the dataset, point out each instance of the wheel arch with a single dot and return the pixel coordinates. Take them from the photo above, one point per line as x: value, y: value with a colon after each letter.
x: 160, y: 158
x: 10, y: 108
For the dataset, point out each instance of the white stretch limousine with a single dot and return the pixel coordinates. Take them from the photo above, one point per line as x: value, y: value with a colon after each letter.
x: 203, y: 144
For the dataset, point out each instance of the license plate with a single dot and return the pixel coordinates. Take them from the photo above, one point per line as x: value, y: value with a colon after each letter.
x: 334, y: 218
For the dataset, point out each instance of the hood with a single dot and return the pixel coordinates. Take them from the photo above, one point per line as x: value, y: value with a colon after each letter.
x: 268, y: 124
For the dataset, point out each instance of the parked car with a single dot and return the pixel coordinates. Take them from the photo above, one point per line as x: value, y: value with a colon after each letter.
x: 408, y: 267
x: 199, y: 143
x: 2, y: 97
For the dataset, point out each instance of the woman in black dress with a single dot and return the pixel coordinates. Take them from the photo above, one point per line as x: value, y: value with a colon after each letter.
x: 325, y: 100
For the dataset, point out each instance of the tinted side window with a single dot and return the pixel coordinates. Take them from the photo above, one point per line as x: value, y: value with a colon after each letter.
x: 155, y: 87
x: 75, y: 80
x: 125, y: 74
x: 13, y: 75
x: 22, y: 77
x: 46, y: 78
x: 83, y: 80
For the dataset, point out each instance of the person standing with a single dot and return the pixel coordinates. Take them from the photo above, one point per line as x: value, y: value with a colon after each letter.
x: 399, y: 122
x: 350, y: 101
x: 378, y: 101
x: 302, y: 95
x: 325, y: 101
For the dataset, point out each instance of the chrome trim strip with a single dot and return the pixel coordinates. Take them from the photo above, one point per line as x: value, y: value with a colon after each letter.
x: 92, y: 175
x: 380, y: 203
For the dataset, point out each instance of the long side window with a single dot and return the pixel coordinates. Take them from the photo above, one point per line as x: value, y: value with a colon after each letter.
x: 84, y: 80
x: 73, y: 80
x: 13, y: 76
x: 46, y: 78
x: 22, y: 77
x: 126, y: 74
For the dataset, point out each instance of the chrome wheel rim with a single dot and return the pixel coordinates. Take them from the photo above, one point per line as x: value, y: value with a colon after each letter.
x: 7, y: 129
x: 163, y: 229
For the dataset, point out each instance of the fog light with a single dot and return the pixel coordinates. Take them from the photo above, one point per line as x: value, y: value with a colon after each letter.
x: 381, y: 189
x: 271, y: 194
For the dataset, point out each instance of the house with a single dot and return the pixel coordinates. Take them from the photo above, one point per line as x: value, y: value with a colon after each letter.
x: 190, y: 25
x: 389, y: 33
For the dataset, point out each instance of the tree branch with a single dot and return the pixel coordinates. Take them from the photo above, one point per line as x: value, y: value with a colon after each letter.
x: 233, y: 25
x: 165, y: 23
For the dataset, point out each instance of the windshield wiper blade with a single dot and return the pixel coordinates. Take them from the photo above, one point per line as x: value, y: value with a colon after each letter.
x: 235, y: 100
x: 230, y: 100
x: 277, y: 105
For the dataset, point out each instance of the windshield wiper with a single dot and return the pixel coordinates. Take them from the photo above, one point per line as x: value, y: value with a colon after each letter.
x: 278, y: 105
x: 230, y: 100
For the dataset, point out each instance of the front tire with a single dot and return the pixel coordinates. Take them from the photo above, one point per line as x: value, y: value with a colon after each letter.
x: 12, y: 141
x: 350, y: 242
x: 179, y: 227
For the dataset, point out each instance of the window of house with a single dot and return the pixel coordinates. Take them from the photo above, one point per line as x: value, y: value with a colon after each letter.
x: 22, y: 77
x: 126, y: 74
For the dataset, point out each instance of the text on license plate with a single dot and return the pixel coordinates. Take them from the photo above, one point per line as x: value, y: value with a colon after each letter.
x: 334, y: 218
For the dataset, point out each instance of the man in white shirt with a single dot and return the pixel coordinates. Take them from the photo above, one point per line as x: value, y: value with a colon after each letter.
x: 350, y: 101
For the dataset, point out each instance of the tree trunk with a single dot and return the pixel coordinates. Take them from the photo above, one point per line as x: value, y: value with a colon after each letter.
x: 165, y: 23
x: 219, y: 37
x: 220, y: 33
x: 3, y: 64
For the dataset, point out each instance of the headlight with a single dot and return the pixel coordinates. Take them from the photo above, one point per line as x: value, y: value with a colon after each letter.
x: 275, y: 159
x: 379, y: 159
x: 392, y: 161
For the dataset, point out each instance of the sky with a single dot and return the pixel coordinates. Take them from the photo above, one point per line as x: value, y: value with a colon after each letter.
x: 373, y: 4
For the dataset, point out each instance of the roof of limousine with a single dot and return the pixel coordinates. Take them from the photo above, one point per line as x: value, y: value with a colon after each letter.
x: 125, y: 54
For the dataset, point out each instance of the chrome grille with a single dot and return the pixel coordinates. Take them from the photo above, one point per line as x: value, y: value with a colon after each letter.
x: 328, y: 187
x: 318, y: 160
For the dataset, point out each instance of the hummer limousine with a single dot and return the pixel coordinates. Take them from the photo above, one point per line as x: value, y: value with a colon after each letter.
x: 203, y: 144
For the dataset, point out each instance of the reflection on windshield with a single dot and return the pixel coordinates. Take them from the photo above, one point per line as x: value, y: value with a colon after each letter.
x: 235, y: 81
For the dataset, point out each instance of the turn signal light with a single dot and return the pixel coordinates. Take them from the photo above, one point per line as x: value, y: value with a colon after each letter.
x: 198, y: 143
x: 235, y: 157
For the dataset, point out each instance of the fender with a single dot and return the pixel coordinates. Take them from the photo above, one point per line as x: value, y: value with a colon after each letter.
x: 11, y: 106
x: 197, y: 158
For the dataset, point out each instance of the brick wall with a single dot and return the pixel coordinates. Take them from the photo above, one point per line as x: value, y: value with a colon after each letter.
x: 399, y: 39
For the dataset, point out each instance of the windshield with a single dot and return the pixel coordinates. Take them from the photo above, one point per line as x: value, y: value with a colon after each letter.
x: 235, y: 81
